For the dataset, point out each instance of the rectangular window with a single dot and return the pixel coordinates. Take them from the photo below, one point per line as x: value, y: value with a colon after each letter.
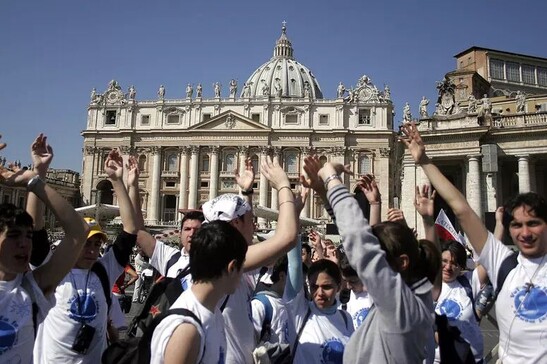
x: 228, y: 185
x: 324, y: 119
x: 169, y: 184
x: 206, y: 117
x: 145, y: 119
x: 496, y: 69
x: 204, y: 184
x: 291, y: 119
x: 542, y: 76
x: 256, y: 117
x: 512, y: 70
x: 110, y: 117
x: 364, y: 117
x: 172, y: 119
x: 528, y: 74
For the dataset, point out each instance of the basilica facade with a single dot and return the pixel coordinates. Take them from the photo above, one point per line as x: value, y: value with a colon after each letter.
x: 188, y: 147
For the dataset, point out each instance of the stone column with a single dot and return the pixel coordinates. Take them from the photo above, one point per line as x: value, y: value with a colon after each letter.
x: 263, y: 194
x: 183, y: 182
x: 243, y: 153
x: 276, y: 152
x: 408, y: 190
x: 88, y: 178
x: 154, y: 204
x: 194, y: 174
x: 524, y: 174
x: 304, y: 152
x: 490, y: 190
x: 473, y: 187
x: 213, y: 172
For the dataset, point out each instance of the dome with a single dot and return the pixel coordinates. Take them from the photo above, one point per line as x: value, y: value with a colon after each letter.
x: 282, y: 75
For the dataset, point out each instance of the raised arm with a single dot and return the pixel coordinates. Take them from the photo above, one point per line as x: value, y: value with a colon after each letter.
x: 133, y: 173
x: 471, y: 223
x: 499, y: 229
x: 283, y: 240
x: 316, y: 241
x: 295, y: 279
x: 42, y: 155
x: 50, y: 274
x: 367, y: 184
x: 245, y: 180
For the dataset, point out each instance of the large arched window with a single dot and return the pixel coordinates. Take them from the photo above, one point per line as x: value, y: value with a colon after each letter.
x: 364, y: 164
x: 291, y: 162
x: 172, y: 162
x: 229, y: 162
x: 204, y: 163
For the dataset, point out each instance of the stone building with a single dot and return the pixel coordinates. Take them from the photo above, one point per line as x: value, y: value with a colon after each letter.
x: 188, y: 147
x: 488, y: 133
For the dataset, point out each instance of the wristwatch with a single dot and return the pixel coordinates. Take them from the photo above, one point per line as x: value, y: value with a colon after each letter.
x: 33, y: 182
x: 247, y: 192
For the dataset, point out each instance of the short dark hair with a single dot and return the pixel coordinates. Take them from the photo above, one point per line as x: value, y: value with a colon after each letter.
x: 457, y: 251
x: 192, y: 215
x: 534, y: 201
x: 280, y: 265
x: 307, y: 247
x: 214, y: 246
x: 326, y: 266
x: 11, y: 215
x: 346, y: 269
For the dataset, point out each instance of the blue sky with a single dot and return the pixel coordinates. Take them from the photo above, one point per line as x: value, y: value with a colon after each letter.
x: 54, y: 52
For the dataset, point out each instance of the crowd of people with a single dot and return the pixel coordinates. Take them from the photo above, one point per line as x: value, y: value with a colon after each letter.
x: 383, y: 295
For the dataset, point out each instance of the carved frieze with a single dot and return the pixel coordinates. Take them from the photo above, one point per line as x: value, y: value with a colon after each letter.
x: 384, y: 152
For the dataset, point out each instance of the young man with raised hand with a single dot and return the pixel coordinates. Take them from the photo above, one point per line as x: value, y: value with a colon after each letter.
x: 521, y: 306
x: 237, y: 211
x: 75, y: 329
x: 24, y: 294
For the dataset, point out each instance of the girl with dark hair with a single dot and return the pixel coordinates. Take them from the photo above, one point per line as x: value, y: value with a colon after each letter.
x: 392, y: 264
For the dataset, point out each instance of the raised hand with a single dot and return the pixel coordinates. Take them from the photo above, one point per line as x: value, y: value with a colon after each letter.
x: 133, y: 171
x: 396, y: 215
x: 413, y: 141
x: 15, y: 176
x: 312, y: 165
x: 113, y: 165
x: 271, y: 169
x: 41, y: 154
x: 424, y: 202
x: 333, y: 167
x: 315, y: 240
x: 499, y: 215
x: 367, y: 184
x: 246, y: 178
x: 2, y: 145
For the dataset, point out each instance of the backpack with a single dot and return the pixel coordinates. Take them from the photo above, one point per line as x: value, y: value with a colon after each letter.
x: 136, y: 350
x: 453, y: 348
x: 162, y: 295
x: 277, y: 353
x: 469, y: 291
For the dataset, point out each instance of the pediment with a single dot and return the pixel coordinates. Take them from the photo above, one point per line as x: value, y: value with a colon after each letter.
x: 230, y: 121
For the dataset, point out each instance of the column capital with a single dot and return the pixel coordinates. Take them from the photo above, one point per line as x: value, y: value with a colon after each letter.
x: 523, y: 156
x: 385, y: 152
x: 184, y: 150
x: 126, y: 149
x: 474, y: 156
x: 338, y: 151
x: 243, y: 149
x: 154, y: 150
x: 306, y: 150
x: 90, y: 150
x: 214, y: 149
x: 194, y: 149
x: 264, y: 149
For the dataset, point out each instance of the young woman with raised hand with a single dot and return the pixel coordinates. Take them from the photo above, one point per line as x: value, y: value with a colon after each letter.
x: 392, y: 264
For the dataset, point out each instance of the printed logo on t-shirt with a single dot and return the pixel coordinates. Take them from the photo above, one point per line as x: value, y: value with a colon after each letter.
x: 8, y: 334
x: 333, y: 351
x: 83, y: 308
x: 530, y: 303
x: 452, y: 309
x: 360, y: 316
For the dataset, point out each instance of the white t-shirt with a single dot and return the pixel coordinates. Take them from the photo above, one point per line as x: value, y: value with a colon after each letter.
x: 325, y: 335
x: 16, y: 326
x: 280, y: 319
x: 58, y: 331
x: 238, y: 319
x: 212, y: 329
x: 358, y: 307
x: 162, y: 254
x: 458, y: 308
x: 521, y: 312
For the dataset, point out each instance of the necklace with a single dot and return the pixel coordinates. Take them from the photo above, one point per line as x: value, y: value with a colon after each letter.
x: 530, y: 284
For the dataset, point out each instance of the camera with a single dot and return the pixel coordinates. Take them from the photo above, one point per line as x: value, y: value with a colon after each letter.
x: 83, y: 339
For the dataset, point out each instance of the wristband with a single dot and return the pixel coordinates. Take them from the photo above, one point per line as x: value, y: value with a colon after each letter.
x: 33, y: 182
x: 374, y: 203
x: 330, y: 178
x: 247, y: 192
x: 280, y: 188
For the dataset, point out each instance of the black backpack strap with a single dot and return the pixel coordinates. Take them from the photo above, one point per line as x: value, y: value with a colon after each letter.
x: 223, y: 306
x: 343, y: 313
x: 100, y: 271
x: 508, y: 264
x: 144, y: 343
x: 268, y: 313
x: 295, y: 346
x: 174, y: 258
x: 469, y: 291
x: 27, y: 287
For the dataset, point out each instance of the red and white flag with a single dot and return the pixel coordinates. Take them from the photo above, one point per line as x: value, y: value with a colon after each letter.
x: 444, y: 227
